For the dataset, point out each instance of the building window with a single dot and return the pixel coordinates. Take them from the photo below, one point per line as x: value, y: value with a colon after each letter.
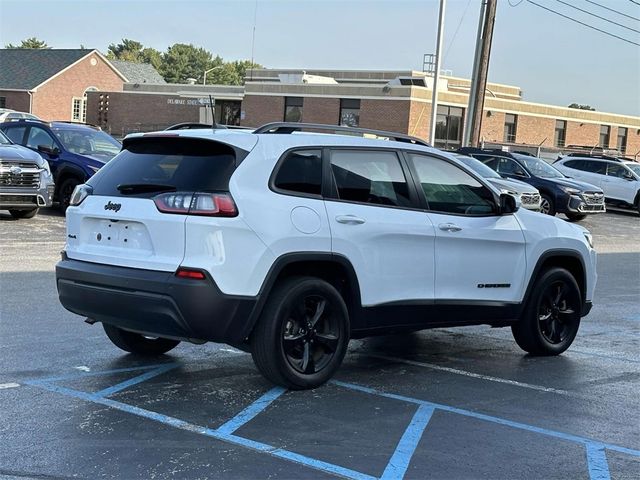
x: 293, y: 109
x: 622, y: 140
x: 561, y: 133
x: 605, y: 133
x: 3, y: 102
x: 77, y: 109
x: 449, y: 122
x: 350, y: 112
x: 510, y: 125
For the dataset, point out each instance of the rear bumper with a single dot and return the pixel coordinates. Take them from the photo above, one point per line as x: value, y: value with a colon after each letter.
x: 152, y: 302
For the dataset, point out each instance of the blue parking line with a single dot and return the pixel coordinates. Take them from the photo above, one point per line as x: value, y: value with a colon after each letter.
x: 225, y: 437
x: 135, y: 380
x: 597, y: 462
x: 501, y: 421
x: 397, y: 466
x: 251, y: 411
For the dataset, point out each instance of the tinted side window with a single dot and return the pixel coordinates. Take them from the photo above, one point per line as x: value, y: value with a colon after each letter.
x: 370, y: 177
x: 595, y: 167
x: 450, y: 189
x: 301, y: 172
x: 510, y: 167
x: 39, y: 136
x: 491, y: 162
x: 576, y: 165
x: 16, y: 134
x: 614, y: 170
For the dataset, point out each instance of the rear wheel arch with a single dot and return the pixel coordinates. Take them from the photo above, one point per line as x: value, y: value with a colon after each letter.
x: 337, y: 270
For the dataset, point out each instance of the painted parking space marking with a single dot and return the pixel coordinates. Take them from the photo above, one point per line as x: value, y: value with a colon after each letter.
x: 480, y: 376
x: 595, y: 450
x: 4, y: 386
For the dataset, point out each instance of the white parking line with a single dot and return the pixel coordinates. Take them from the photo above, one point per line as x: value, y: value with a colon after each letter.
x: 8, y: 385
x: 456, y: 371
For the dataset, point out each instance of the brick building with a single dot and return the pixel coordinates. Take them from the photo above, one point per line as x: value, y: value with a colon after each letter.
x: 401, y: 101
x: 53, y: 83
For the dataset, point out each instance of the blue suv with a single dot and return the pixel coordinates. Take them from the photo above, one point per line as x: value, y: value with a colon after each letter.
x: 559, y: 194
x: 75, y: 151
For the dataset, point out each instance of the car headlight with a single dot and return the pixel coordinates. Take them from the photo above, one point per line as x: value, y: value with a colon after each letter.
x: 46, y: 168
x: 509, y: 192
x: 570, y: 190
x: 588, y: 237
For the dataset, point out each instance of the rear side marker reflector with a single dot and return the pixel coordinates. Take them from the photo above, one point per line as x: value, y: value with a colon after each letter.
x: 192, y: 274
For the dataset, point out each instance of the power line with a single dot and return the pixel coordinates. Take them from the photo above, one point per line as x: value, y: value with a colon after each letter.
x: 584, y: 24
x: 456, y: 32
x: 634, y: 1
x: 597, y: 16
x: 614, y: 11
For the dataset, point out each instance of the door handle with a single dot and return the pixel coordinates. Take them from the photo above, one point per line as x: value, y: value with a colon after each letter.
x: 449, y: 227
x: 350, y: 220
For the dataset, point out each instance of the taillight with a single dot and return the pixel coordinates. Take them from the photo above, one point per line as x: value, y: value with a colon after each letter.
x: 207, y: 204
x: 79, y: 194
x: 189, y: 273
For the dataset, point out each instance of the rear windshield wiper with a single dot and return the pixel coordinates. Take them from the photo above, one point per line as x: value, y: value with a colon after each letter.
x: 133, y: 188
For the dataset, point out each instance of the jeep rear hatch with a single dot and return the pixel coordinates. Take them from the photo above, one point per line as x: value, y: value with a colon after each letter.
x: 135, y: 211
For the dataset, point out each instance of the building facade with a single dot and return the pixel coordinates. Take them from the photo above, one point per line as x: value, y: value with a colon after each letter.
x: 53, y: 83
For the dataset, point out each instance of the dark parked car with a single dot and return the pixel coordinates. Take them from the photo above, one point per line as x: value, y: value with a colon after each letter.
x: 559, y: 193
x: 74, y: 151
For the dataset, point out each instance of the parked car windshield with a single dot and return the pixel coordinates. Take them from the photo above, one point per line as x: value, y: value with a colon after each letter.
x: 3, y: 139
x: 634, y: 167
x: 478, y: 167
x: 87, y: 141
x: 539, y: 168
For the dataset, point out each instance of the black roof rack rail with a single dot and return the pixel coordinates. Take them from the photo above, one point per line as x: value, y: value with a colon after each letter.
x: 600, y: 156
x: 290, y: 127
x: 193, y: 126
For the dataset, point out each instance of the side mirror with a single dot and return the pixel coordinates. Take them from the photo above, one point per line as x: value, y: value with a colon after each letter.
x: 48, y: 150
x: 508, y: 204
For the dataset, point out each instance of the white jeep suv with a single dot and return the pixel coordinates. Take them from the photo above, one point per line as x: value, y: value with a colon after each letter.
x: 289, y: 244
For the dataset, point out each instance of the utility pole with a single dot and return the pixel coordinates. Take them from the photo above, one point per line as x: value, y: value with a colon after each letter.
x: 436, y: 74
x: 480, y: 73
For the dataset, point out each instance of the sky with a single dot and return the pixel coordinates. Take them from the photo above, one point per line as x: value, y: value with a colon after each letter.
x: 552, y: 59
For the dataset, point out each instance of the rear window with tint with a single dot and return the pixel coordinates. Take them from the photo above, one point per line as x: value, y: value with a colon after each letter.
x: 190, y: 165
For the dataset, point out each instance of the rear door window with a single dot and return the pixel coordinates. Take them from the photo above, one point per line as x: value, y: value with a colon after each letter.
x: 183, y: 164
x: 374, y: 177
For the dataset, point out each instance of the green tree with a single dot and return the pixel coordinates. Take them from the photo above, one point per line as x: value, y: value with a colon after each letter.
x: 582, y: 107
x: 32, y: 42
x: 182, y: 61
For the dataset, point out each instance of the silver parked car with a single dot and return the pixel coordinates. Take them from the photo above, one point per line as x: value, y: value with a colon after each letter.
x: 26, y: 183
x: 529, y: 196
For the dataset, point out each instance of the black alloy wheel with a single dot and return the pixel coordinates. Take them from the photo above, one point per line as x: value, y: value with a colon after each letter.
x: 551, y: 319
x: 555, y: 313
x: 65, y: 192
x: 302, y: 334
x: 310, y: 335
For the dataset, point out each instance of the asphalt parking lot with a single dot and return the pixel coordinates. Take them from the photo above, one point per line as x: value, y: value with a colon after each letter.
x: 460, y: 403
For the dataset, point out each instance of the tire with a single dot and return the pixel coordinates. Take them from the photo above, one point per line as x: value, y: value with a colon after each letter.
x: 302, y: 334
x: 551, y: 318
x: 137, y: 343
x: 546, y: 205
x: 65, y: 191
x: 24, y: 213
x: 575, y: 217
